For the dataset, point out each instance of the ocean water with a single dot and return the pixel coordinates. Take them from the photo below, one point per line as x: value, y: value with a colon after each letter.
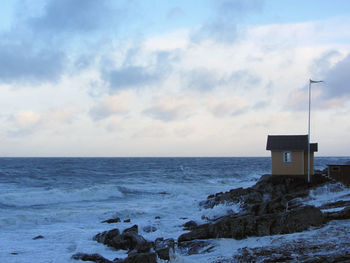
x: 65, y: 199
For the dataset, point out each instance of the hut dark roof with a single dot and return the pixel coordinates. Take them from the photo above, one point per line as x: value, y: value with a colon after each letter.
x: 289, y: 142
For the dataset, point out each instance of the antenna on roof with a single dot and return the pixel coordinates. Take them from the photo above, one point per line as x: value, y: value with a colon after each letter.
x: 308, y: 131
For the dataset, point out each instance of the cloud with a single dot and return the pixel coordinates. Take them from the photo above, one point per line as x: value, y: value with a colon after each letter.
x: 170, y: 109
x: 155, y: 130
x: 245, y: 77
x: 21, y: 63
x: 205, y: 80
x: 337, y: 80
x: 26, y: 122
x: 127, y: 76
x: 109, y: 106
x: 36, y: 47
x: 227, y: 107
x: 72, y: 17
x: 325, y: 62
x: 262, y: 104
x: 228, y: 13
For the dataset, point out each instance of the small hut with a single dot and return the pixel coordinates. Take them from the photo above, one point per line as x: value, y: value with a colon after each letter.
x: 290, y: 154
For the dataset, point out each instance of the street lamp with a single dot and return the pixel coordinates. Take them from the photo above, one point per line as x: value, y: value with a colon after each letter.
x: 308, y: 132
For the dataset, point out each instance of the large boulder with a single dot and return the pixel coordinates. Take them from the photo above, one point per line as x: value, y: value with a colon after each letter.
x: 128, y: 240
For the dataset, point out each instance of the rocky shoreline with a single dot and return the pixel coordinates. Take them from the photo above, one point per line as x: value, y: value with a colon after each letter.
x: 272, y: 206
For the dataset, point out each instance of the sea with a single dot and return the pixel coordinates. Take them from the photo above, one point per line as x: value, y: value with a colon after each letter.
x: 50, y: 208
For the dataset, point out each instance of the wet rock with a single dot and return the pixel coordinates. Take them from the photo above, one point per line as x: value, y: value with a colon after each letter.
x: 340, y: 215
x: 38, y: 237
x: 91, y: 257
x: 190, y: 225
x: 337, y: 204
x: 295, y: 251
x: 242, y: 226
x: 269, y: 187
x: 149, y: 257
x: 107, y: 237
x: 128, y: 240
x: 163, y: 247
x: 127, y: 220
x: 149, y: 229
x: 134, y: 228
x: 112, y: 220
x: 196, y: 247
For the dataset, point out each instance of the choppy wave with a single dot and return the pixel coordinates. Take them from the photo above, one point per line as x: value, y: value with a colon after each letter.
x: 38, y: 196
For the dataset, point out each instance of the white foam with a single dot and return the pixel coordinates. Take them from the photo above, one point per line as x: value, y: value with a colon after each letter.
x: 327, y: 194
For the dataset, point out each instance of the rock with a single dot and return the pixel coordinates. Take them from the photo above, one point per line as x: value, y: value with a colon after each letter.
x: 127, y: 220
x: 242, y: 226
x: 38, y: 237
x: 128, y: 240
x: 162, y: 247
x: 157, y: 217
x: 196, y: 247
x: 340, y: 215
x: 149, y: 229
x: 149, y: 257
x: 269, y: 187
x: 107, y: 237
x: 337, y: 204
x: 134, y: 228
x: 91, y: 257
x: 112, y: 220
x: 295, y: 250
x: 190, y: 225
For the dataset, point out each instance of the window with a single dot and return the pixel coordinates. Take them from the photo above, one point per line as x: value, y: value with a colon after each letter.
x: 287, y: 157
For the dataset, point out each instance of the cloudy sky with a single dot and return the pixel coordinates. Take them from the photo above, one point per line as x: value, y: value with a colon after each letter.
x: 171, y: 78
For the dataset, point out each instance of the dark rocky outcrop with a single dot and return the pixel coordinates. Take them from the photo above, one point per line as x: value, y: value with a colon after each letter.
x: 190, y: 225
x: 295, y: 251
x: 269, y: 187
x: 38, y: 237
x: 269, y: 207
x: 128, y: 240
x: 148, y: 257
x: 91, y: 257
x: 163, y: 247
x: 195, y: 247
x: 149, y: 229
x: 340, y: 215
x: 337, y: 204
x: 242, y: 226
x: 140, y: 250
x: 112, y: 220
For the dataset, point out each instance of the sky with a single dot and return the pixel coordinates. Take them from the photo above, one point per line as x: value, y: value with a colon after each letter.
x: 155, y: 78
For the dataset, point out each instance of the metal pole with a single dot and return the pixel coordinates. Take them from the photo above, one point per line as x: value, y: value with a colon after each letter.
x: 308, y: 136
